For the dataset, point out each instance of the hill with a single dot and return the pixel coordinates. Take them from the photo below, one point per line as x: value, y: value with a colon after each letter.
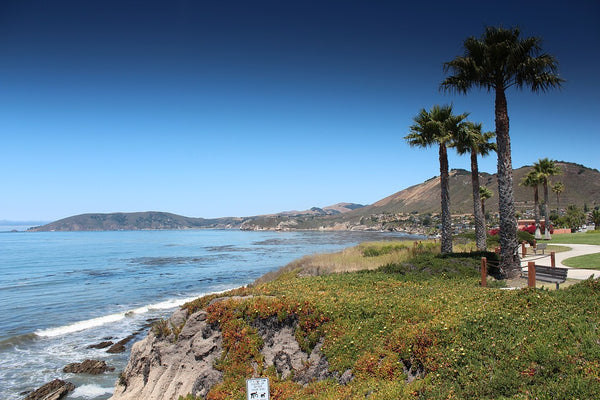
x: 582, y: 186
x: 155, y: 220
x: 149, y: 220
x: 397, y: 211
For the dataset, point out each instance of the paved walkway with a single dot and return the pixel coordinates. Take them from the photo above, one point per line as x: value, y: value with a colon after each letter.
x: 576, y: 250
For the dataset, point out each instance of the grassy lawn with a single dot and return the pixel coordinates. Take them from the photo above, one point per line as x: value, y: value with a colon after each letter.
x: 592, y: 237
x: 590, y: 261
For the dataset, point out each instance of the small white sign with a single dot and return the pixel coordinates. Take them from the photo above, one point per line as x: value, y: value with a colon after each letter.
x: 257, y: 389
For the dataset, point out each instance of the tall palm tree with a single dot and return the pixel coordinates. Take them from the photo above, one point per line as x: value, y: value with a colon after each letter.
x: 533, y: 180
x: 545, y: 169
x: 472, y: 140
x: 558, y: 188
x: 497, y: 61
x: 438, y: 126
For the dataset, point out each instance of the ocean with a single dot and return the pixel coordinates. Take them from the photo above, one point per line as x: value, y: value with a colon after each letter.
x: 61, y: 292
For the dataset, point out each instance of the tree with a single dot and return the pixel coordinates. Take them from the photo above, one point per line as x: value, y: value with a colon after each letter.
x: 438, y: 126
x: 558, y: 188
x: 497, y: 61
x: 472, y: 140
x: 533, y: 180
x: 546, y: 168
x: 596, y: 219
x: 484, y: 194
x: 573, y: 217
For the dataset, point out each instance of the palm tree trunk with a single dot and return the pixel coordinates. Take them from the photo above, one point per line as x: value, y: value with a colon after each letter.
x: 509, y: 258
x: 536, y: 212
x: 446, y: 219
x: 480, y: 237
x: 483, y: 211
x: 546, y: 212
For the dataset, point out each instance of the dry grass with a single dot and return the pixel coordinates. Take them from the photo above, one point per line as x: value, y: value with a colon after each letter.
x: 365, y: 256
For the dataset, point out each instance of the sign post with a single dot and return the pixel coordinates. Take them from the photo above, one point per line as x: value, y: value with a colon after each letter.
x: 257, y: 389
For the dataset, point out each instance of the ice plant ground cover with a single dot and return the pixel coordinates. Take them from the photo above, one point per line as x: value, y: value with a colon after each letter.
x: 425, y: 314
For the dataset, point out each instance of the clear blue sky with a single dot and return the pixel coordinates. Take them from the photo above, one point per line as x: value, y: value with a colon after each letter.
x: 236, y: 108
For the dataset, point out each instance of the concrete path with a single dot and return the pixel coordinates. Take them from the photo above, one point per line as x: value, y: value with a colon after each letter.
x: 576, y: 250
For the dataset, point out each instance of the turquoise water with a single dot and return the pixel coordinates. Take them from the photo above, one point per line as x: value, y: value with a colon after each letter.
x: 61, y: 292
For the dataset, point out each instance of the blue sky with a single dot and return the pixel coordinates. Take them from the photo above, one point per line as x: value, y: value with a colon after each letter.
x: 236, y: 108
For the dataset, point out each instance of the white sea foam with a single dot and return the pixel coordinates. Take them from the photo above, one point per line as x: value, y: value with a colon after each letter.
x: 91, y: 391
x: 95, y: 322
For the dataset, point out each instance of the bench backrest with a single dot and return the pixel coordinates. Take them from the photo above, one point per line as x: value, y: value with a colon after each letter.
x: 557, y: 273
x: 541, y: 246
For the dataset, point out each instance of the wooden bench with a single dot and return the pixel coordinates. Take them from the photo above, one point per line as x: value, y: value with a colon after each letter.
x: 548, y: 274
x: 538, y: 247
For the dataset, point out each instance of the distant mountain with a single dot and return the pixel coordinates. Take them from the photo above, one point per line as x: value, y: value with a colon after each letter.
x: 155, y: 220
x: 149, y: 220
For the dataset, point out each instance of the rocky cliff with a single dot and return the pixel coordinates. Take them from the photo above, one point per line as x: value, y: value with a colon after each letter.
x: 180, y: 356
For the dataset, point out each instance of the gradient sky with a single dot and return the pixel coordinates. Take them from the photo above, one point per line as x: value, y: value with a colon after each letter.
x: 237, y: 108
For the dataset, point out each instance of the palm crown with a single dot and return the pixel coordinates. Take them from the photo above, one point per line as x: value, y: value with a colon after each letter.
x: 501, y: 59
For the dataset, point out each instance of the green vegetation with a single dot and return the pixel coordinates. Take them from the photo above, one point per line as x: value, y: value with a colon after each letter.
x: 590, y: 237
x: 589, y: 261
x: 418, y: 327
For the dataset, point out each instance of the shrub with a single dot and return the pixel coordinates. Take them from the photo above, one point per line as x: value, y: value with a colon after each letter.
x: 425, y: 266
x: 523, y: 236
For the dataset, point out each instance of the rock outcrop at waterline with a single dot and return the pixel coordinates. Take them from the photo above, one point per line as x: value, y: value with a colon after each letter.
x: 54, y: 390
x: 92, y: 367
x: 178, y: 358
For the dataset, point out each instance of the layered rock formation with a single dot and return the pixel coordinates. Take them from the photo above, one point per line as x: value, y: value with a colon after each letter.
x: 92, y: 367
x: 178, y: 358
x: 54, y: 390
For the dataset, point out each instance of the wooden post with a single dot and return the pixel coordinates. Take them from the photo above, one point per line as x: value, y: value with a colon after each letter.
x: 531, y: 274
x: 523, y: 249
x: 483, y: 271
x: 553, y: 259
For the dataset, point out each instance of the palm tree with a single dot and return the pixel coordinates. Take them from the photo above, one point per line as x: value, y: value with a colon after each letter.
x: 438, y: 126
x: 545, y: 169
x: 484, y: 194
x: 533, y: 180
x: 596, y: 219
x: 558, y: 188
x: 499, y: 60
x: 471, y: 140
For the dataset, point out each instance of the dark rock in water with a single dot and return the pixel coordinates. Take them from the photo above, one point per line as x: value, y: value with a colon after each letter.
x: 101, y: 345
x: 54, y: 390
x: 93, y: 367
x: 119, y: 347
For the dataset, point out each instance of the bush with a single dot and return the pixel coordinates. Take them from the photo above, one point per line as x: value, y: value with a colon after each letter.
x: 523, y: 236
x: 426, y: 266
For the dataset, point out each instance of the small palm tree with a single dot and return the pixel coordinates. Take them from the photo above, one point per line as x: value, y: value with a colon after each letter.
x: 497, y: 61
x: 484, y: 194
x: 558, y: 188
x: 533, y: 180
x: 472, y: 140
x: 596, y: 219
x: 438, y: 126
x: 545, y: 169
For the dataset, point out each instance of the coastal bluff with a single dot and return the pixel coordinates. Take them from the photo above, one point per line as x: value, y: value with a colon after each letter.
x: 179, y: 355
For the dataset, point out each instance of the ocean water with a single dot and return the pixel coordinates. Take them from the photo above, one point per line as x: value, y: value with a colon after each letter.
x: 61, y: 292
